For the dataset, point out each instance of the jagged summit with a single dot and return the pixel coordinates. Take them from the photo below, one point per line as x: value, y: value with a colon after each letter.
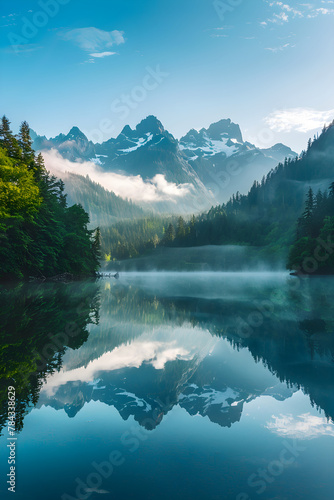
x: 218, y: 131
x: 75, y: 133
x: 151, y: 125
x: 224, y: 128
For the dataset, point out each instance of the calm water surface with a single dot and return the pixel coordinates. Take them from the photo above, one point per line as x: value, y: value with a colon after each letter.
x: 174, y: 386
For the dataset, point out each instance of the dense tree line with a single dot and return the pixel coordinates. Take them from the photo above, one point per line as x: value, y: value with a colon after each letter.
x: 129, y: 239
x: 39, y: 234
x: 313, y: 250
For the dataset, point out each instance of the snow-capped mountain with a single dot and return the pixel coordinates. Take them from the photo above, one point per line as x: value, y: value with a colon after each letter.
x: 147, y: 150
x: 226, y: 163
x: 224, y: 139
x: 215, y: 162
x: 221, y: 137
x: 148, y: 394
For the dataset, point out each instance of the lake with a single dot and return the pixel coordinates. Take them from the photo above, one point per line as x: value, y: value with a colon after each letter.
x: 161, y: 386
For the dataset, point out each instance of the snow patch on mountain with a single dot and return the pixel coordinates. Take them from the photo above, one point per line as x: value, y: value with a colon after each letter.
x: 211, y: 147
x: 138, y: 144
x: 210, y: 397
x: 141, y: 403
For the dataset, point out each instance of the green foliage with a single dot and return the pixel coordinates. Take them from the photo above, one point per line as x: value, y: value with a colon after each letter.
x: 128, y: 239
x: 313, y: 250
x: 39, y: 234
x: 170, y: 235
x: 19, y: 194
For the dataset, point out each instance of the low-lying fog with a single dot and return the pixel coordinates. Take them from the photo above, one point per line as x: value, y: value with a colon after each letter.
x: 207, y: 258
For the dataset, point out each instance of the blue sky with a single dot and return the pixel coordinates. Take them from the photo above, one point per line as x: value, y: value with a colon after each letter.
x: 99, y: 65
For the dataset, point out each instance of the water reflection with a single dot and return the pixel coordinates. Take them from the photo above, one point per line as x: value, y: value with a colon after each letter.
x: 208, y: 343
x: 37, y: 324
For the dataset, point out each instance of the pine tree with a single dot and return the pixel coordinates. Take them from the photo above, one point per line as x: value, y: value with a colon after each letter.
x: 97, y: 244
x: 309, y: 206
x: 7, y: 140
x: 319, y: 199
x: 181, y: 230
x: 39, y: 167
x: 170, y: 234
x: 25, y: 144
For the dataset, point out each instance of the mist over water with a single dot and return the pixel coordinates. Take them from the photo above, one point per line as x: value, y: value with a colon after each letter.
x: 227, y: 258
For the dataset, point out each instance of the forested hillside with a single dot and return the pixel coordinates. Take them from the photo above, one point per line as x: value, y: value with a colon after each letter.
x: 313, y: 250
x: 128, y: 239
x: 104, y: 207
x: 40, y: 235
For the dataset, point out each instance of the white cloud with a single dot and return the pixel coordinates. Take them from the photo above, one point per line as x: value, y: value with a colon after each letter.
x: 304, y: 426
x: 282, y: 17
x: 125, y: 356
x: 94, y: 41
x: 155, y: 347
x: 299, y: 119
x: 132, y: 187
x: 285, y: 12
x: 280, y: 48
x: 102, y: 54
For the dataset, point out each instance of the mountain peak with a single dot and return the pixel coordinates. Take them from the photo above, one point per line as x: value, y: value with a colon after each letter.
x: 150, y: 124
x: 75, y: 133
x: 232, y: 130
x: 127, y: 130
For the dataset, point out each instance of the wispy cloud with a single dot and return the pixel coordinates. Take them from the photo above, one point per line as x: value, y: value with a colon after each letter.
x: 221, y: 28
x: 284, y: 13
x: 217, y: 32
x: 94, y: 41
x: 304, y: 426
x: 299, y: 119
x: 102, y: 54
x: 280, y: 48
x: 9, y: 20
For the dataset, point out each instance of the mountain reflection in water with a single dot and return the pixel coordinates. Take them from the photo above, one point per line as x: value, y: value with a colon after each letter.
x: 149, y: 344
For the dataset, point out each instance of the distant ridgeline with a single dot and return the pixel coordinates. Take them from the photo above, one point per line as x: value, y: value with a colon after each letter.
x: 39, y: 234
x: 265, y: 217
